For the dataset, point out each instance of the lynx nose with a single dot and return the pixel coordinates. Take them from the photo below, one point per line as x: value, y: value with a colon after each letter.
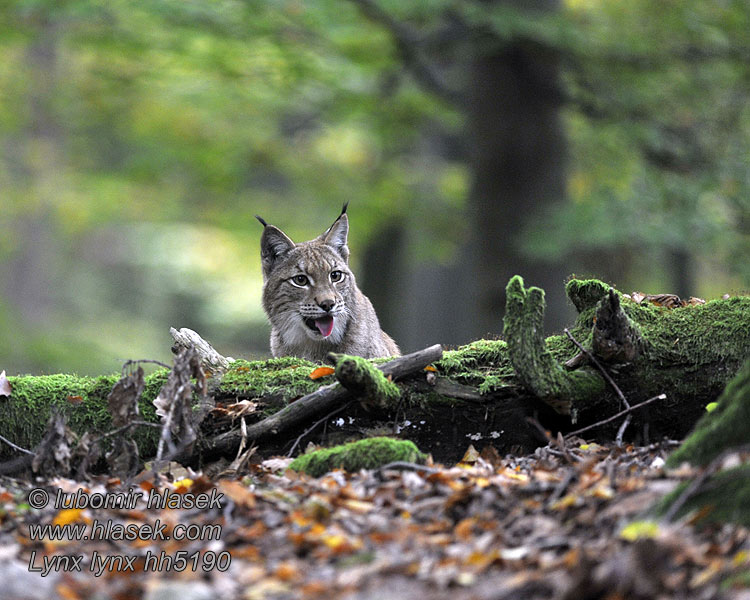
x: 326, y: 305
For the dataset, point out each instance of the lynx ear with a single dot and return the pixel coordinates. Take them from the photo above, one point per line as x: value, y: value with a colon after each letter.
x: 337, y: 234
x: 273, y: 244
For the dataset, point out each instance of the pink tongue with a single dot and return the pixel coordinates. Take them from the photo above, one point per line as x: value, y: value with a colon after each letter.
x: 324, y: 325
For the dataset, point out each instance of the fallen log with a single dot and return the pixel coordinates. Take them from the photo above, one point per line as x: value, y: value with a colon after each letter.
x: 482, y: 393
x: 320, y: 401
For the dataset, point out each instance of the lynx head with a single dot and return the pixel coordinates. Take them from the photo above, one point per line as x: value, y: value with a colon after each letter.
x: 307, y: 286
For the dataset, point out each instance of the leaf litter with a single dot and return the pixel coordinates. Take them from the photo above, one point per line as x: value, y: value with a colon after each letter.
x: 565, y: 523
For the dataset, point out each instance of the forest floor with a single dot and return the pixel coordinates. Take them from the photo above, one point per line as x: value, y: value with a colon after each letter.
x: 565, y: 523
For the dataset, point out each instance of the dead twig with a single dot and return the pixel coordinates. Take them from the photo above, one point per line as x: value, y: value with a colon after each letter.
x: 599, y: 366
x: 621, y: 430
x: 138, y: 361
x: 314, y: 425
x: 617, y: 415
x: 610, y: 381
x: 400, y: 464
x: 12, y: 445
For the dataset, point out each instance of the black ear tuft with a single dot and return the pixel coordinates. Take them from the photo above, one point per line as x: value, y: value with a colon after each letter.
x: 274, y: 243
x: 343, y: 210
x: 263, y: 222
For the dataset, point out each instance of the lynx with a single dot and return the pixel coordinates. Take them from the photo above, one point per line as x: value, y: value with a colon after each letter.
x: 312, y: 299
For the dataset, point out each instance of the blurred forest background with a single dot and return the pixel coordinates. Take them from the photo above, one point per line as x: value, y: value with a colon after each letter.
x: 475, y: 139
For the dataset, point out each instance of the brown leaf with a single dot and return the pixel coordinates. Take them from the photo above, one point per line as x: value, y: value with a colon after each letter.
x: 75, y: 399
x: 5, y: 389
x: 122, y: 400
x: 490, y: 454
x: 665, y: 300
x: 470, y: 456
x: 52, y: 456
x: 238, y: 493
x: 322, y: 372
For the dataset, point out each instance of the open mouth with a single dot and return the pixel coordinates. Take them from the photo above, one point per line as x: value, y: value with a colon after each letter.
x: 322, y: 324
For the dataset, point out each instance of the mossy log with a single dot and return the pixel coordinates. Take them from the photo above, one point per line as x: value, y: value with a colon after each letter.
x: 716, y: 495
x: 725, y: 427
x: 481, y: 393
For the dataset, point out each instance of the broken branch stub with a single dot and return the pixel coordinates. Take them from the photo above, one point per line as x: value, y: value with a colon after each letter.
x: 364, y: 380
x: 615, y: 337
x: 211, y: 361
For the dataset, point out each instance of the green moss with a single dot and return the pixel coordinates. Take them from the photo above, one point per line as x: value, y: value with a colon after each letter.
x: 365, y: 380
x: 736, y: 581
x: 585, y: 293
x: 724, y: 498
x: 691, y: 352
x: 24, y: 416
x: 724, y: 427
x: 289, y: 376
x: 363, y: 454
x: 482, y: 363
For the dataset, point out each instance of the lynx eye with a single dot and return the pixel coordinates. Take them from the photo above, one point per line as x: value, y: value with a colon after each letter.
x: 336, y: 276
x: 300, y: 280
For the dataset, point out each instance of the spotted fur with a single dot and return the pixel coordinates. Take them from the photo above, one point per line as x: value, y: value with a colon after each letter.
x: 304, y: 284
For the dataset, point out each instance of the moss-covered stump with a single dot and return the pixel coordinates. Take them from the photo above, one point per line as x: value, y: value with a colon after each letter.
x: 370, y: 453
x: 688, y: 353
x: 536, y: 367
x: 83, y: 401
x: 725, y: 427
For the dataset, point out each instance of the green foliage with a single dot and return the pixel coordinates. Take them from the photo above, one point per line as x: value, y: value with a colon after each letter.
x: 130, y: 120
x: 141, y: 138
x: 658, y: 133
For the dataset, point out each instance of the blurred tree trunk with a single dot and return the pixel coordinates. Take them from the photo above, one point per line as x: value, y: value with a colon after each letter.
x: 516, y: 150
x: 383, y: 272
x: 518, y: 160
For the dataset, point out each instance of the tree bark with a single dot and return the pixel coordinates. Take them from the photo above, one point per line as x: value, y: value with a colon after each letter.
x: 518, y: 163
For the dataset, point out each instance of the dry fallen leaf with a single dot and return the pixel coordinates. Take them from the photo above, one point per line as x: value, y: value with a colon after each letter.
x: 322, y: 372
x: 470, y: 456
x: 67, y: 515
x: 241, y: 408
x: 238, y: 493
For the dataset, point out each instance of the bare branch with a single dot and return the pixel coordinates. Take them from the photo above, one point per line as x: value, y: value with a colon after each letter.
x: 408, y: 45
